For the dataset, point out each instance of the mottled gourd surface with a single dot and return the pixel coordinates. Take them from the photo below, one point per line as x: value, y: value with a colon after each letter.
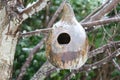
x: 67, y: 44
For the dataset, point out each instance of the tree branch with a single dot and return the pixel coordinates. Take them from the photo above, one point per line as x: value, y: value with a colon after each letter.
x: 33, y: 8
x: 100, y: 12
x: 36, y: 32
x: 36, y: 48
x: 116, y: 64
x: 86, y: 24
x: 41, y: 73
x: 57, y: 12
x: 103, y: 48
x: 86, y: 19
x: 92, y: 18
x: 91, y: 54
x: 106, y: 9
x: 29, y: 59
x: 46, y: 66
x: 95, y: 65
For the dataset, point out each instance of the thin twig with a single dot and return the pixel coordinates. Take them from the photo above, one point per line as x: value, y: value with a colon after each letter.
x: 36, y: 32
x: 105, y: 10
x: 94, y: 24
x: 87, y: 24
x: 94, y: 53
x: 113, y: 60
x: 58, y: 11
x: 86, y: 19
x: 29, y: 59
x: 100, y: 12
x: 45, y: 67
x: 116, y: 64
x: 103, y: 48
x: 95, y: 65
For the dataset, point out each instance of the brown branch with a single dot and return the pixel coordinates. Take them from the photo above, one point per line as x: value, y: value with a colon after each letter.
x: 58, y: 11
x: 86, y: 19
x: 90, y: 54
x: 103, y: 48
x: 100, y: 12
x: 35, y: 7
x: 100, y: 22
x: 95, y: 65
x: 87, y: 24
x: 36, y: 32
x: 44, y: 69
x: 29, y: 59
x: 116, y: 64
x: 108, y: 51
x: 36, y: 48
x: 103, y: 61
x: 41, y: 73
x: 106, y: 9
x: 51, y: 25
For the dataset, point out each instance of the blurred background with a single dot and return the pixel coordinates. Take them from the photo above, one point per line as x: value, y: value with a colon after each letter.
x: 97, y: 38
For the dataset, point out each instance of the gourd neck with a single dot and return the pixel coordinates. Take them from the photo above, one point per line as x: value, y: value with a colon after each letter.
x: 68, y: 13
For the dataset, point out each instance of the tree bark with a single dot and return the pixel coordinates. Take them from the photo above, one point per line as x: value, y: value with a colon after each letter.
x: 7, y: 43
x: 9, y: 24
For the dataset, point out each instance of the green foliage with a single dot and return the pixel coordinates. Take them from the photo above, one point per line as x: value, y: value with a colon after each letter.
x: 96, y: 39
x: 84, y: 7
x: 115, y: 73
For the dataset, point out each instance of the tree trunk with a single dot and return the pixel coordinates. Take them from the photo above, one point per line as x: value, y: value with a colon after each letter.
x: 7, y: 43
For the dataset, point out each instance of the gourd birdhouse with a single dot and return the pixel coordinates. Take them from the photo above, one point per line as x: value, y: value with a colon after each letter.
x: 67, y: 45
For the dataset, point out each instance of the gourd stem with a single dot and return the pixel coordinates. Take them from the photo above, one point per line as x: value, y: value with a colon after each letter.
x: 68, y: 12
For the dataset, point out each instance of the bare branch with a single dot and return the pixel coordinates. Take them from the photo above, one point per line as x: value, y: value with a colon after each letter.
x: 46, y: 68
x: 95, y: 65
x: 101, y: 62
x: 86, y: 67
x: 56, y: 14
x: 36, y: 48
x: 100, y: 22
x: 108, y: 51
x: 86, y: 19
x: 36, y: 32
x: 35, y: 7
x: 116, y: 64
x: 91, y: 54
x: 87, y: 24
x: 103, y: 48
x: 29, y: 59
x: 99, y: 13
x: 49, y: 25
x: 106, y: 9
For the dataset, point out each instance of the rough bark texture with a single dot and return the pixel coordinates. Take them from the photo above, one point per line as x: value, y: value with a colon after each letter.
x: 45, y: 67
x: 9, y: 24
x: 7, y: 44
x: 34, y: 8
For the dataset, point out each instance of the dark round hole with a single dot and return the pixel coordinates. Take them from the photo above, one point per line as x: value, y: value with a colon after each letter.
x: 63, y: 38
